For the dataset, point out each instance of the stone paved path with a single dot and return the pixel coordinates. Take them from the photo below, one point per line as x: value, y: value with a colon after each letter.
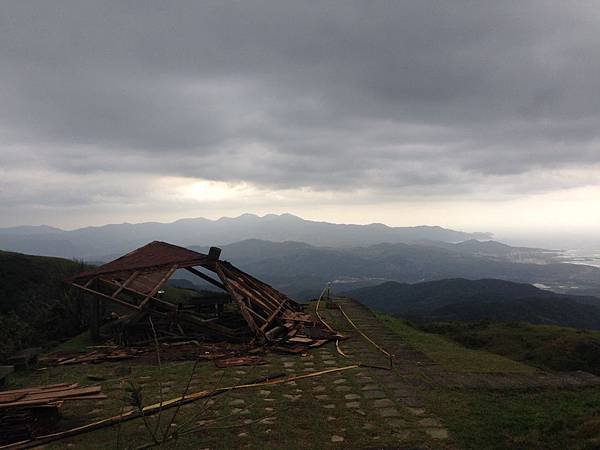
x: 390, y: 394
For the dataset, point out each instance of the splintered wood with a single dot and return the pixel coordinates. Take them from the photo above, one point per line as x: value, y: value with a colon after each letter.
x: 27, y: 412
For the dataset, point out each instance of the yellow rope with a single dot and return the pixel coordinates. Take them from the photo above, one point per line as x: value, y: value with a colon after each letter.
x: 381, y: 349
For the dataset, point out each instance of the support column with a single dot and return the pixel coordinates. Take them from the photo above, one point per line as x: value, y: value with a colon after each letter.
x: 95, y: 319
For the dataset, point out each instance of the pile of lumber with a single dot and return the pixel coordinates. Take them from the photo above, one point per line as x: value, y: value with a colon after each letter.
x: 27, y: 412
x: 174, y: 351
x: 299, y: 331
x: 93, y: 357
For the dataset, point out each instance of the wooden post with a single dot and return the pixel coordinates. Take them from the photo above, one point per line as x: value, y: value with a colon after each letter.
x: 95, y: 319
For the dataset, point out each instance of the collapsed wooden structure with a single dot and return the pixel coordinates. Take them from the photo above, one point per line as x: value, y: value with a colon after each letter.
x: 133, y: 281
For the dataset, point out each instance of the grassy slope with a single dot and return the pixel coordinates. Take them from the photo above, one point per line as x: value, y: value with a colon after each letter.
x: 26, y: 277
x: 554, y: 419
x: 35, y: 305
x: 450, y: 355
x: 521, y: 420
x: 546, y: 346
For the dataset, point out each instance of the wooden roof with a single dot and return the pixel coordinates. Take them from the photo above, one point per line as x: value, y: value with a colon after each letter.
x: 154, y: 254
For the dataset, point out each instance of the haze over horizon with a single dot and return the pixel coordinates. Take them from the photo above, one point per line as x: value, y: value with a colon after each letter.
x: 476, y: 117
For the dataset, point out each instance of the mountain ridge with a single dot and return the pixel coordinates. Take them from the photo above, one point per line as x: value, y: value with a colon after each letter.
x: 92, y: 242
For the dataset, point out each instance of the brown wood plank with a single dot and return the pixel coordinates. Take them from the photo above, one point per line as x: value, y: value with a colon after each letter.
x: 107, y: 297
x: 263, y: 289
x: 141, y: 294
x: 158, y: 285
x: 273, y: 315
x: 249, y: 319
x: 66, y: 393
x: 41, y: 388
x: 253, y: 297
x: 240, y: 280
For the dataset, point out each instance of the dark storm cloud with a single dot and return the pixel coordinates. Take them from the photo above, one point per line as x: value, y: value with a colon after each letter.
x: 401, y: 96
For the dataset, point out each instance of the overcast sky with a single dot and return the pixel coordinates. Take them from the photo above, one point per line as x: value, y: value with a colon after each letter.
x: 472, y: 114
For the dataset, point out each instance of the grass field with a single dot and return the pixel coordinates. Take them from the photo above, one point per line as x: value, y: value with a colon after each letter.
x: 451, y: 355
x: 565, y: 419
x: 545, y: 346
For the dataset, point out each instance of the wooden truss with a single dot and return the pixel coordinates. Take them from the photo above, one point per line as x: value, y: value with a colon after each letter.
x: 134, y: 280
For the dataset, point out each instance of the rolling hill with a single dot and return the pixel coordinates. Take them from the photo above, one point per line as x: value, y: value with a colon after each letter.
x: 301, y: 270
x: 486, y: 299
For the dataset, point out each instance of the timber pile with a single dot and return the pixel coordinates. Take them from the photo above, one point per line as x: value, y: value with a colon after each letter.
x: 135, y: 280
x: 25, y: 413
x: 174, y: 351
x: 93, y: 357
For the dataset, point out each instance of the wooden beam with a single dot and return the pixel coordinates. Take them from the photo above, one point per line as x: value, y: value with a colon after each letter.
x: 252, y: 296
x: 141, y: 294
x: 242, y: 283
x: 206, y: 277
x: 238, y: 299
x: 124, y: 285
x: 158, y: 285
x: 107, y: 297
x: 250, y: 310
x: 273, y: 315
x: 262, y: 288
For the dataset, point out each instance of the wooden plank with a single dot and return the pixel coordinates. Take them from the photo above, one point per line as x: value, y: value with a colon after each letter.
x: 249, y: 319
x: 158, y: 285
x: 262, y: 289
x: 252, y: 297
x: 238, y: 278
x: 272, y: 316
x: 48, y: 388
x: 262, y: 286
x: 65, y: 393
x: 107, y: 297
x: 301, y: 340
x: 250, y: 310
x: 141, y: 294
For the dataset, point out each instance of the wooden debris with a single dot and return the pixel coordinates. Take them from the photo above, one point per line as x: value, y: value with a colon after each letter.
x: 27, y: 412
x: 49, y: 394
x: 175, y: 351
x: 240, y: 361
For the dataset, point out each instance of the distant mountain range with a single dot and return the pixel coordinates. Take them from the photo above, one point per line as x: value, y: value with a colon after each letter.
x: 95, y: 243
x: 488, y: 299
x: 301, y: 256
x: 302, y: 270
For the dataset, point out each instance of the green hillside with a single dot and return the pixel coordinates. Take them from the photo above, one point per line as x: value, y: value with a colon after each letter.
x: 487, y: 299
x: 545, y: 346
x: 35, y: 305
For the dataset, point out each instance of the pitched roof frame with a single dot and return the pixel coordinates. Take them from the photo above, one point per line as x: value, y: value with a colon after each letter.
x: 141, y: 273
